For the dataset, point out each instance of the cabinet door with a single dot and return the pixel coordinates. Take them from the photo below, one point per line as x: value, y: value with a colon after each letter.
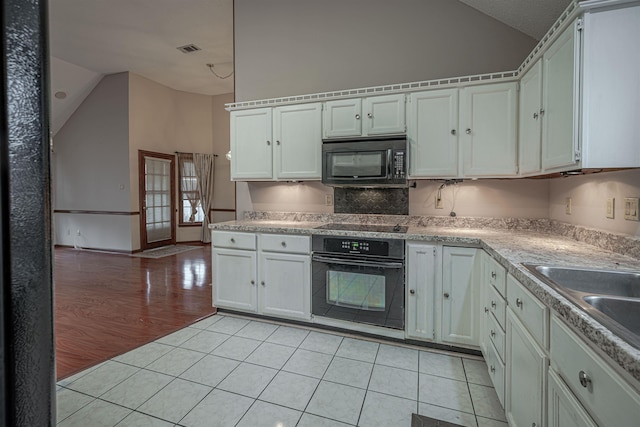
x: 559, y: 138
x: 421, y: 287
x: 488, y: 130
x: 251, y: 144
x: 530, y: 129
x: 298, y: 138
x: 432, y: 133
x: 342, y: 118
x: 564, y: 408
x: 384, y: 115
x: 459, y: 296
x: 234, y: 279
x: 285, y: 285
x: 526, y: 376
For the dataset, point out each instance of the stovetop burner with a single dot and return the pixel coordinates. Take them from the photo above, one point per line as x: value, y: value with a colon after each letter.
x: 365, y: 227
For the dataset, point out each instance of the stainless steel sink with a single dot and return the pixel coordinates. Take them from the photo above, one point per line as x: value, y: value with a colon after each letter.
x: 610, y: 297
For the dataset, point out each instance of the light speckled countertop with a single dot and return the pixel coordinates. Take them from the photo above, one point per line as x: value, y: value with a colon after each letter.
x: 511, y: 248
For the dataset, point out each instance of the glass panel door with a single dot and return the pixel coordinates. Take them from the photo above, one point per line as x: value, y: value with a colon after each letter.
x: 156, y: 197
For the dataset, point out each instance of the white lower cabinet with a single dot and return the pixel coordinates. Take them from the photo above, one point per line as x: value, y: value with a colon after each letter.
x: 526, y: 367
x: 284, y: 289
x: 281, y: 262
x: 421, y: 290
x: 564, y: 409
x: 460, y: 295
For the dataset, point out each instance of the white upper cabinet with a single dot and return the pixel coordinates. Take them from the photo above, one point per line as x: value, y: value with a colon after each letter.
x: 298, y: 142
x: 611, y: 88
x: 251, y: 144
x: 432, y: 123
x: 279, y: 143
x: 530, y: 120
x: 488, y: 130
x: 377, y: 115
x: 560, y: 111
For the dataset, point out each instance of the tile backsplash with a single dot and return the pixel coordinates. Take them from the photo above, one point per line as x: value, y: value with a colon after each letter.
x: 386, y: 201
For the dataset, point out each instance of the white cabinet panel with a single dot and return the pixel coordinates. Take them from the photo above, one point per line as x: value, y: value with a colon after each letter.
x: 342, y: 118
x: 432, y: 133
x: 564, y: 408
x: 284, y: 289
x: 460, y: 296
x: 298, y: 142
x: 421, y: 301
x: 526, y: 384
x: 560, y: 105
x: 234, y: 279
x: 384, y: 114
x: 488, y: 130
x: 251, y: 144
x: 530, y: 121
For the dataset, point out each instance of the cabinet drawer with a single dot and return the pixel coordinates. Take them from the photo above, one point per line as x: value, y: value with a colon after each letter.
x: 233, y: 239
x: 605, y: 395
x: 496, y: 371
x: 496, y: 275
x: 497, y: 305
x: 497, y: 336
x: 530, y: 310
x: 285, y: 243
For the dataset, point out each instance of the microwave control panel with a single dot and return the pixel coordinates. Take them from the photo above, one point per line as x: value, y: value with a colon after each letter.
x: 399, y: 167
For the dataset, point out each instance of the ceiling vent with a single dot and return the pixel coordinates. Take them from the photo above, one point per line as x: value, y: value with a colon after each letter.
x: 188, y: 48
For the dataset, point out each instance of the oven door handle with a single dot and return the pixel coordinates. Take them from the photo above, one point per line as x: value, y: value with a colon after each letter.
x: 343, y: 261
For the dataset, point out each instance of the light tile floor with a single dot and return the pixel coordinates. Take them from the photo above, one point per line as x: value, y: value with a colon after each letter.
x: 231, y: 371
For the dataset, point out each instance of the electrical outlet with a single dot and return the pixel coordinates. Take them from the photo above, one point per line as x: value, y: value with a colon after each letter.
x: 611, y: 207
x: 567, y: 205
x: 328, y: 199
x: 631, y: 208
x: 439, y: 204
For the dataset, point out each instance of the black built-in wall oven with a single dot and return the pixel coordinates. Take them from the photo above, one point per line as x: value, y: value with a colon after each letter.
x: 358, y: 280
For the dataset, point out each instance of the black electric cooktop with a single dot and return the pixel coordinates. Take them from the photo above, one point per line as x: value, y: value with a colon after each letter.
x: 365, y: 227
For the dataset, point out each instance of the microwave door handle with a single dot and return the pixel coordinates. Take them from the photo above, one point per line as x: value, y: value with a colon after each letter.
x: 341, y: 261
x: 389, y: 167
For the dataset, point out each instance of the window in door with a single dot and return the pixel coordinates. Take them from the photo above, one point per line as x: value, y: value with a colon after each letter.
x: 191, y: 212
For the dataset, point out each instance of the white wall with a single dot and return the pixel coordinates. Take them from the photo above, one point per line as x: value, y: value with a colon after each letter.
x: 589, y: 195
x: 165, y: 120
x: 493, y: 198
x: 90, y: 163
x: 289, y: 47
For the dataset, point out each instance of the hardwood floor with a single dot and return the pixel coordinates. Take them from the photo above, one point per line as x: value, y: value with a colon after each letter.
x: 107, y: 304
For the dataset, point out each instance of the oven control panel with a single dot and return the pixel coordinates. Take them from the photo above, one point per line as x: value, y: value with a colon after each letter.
x: 356, y: 246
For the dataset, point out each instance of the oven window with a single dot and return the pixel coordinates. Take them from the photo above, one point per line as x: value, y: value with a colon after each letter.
x: 357, y: 290
x: 361, y: 164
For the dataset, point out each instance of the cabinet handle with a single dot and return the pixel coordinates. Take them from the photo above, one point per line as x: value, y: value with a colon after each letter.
x: 446, y: 294
x: 453, y: 131
x: 233, y: 240
x: 370, y: 115
x: 262, y: 283
x: 519, y: 302
x: 277, y: 142
x: 535, y: 116
x: 493, y: 369
x: 584, y: 379
x: 486, y: 310
x: 493, y: 275
x: 284, y: 244
x: 253, y: 282
x: 493, y: 304
x: 412, y: 291
x: 268, y: 142
x: 468, y: 131
x: 493, y: 333
x: 541, y: 112
x: 357, y: 116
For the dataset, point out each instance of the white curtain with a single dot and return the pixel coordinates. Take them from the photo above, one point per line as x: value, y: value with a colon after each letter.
x: 189, y: 187
x: 205, y: 167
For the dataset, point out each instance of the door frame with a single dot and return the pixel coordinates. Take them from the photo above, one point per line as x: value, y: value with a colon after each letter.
x: 142, y: 197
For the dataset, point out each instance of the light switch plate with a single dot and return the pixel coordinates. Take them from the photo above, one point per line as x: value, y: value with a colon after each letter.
x: 567, y: 205
x: 611, y: 207
x: 439, y: 204
x: 631, y: 208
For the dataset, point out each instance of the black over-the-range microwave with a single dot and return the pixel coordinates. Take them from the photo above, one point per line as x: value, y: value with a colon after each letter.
x: 365, y: 162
